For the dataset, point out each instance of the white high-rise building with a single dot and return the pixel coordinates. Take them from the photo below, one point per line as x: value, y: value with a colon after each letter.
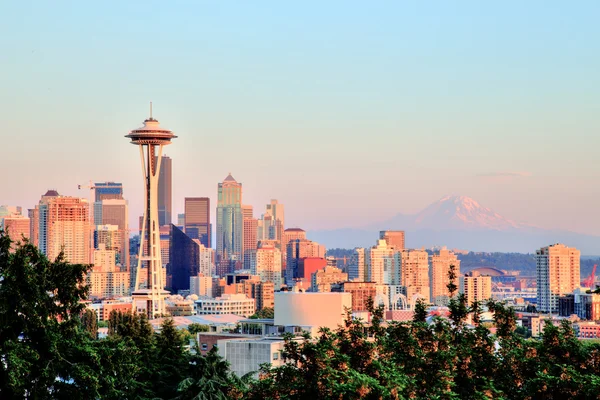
x: 558, y: 273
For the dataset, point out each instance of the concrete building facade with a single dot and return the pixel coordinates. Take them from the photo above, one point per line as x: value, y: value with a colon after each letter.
x: 558, y: 273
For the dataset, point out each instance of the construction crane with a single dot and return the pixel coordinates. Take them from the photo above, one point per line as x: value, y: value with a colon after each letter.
x: 589, y: 281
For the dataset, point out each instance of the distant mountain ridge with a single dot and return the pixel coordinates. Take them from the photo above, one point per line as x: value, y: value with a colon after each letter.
x: 459, y: 222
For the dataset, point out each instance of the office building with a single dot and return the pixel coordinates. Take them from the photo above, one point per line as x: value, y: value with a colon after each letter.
x: 322, y: 279
x: 439, y: 269
x: 114, y: 211
x: 197, y: 219
x: 206, y: 257
x: 289, y: 235
x: 246, y: 355
x: 250, y: 239
x: 229, y: 225
x: 181, y: 221
x: 382, y: 264
x: 263, y: 293
x: 34, y: 225
x: 105, y: 279
x: 296, y: 250
x: 414, y: 274
x: 10, y: 210
x: 165, y: 191
x: 108, y: 191
x: 362, y: 293
x: 558, y: 273
x: 476, y: 287
x: 358, y: 270
x: 65, y: 226
x: 201, y: 286
x: 268, y: 266
x: 184, y: 257
x: 394, y: 239
x: 311, y: 311
x: 17, y: 226
x: 271, y: 224
x: 236, y: 304
x: 307, y: 266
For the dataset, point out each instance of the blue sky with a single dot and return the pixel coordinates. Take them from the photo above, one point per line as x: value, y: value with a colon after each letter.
x: 346, y: 112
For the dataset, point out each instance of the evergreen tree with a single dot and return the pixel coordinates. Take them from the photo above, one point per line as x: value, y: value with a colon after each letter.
x: 89, y: 322
x: 40, y: 335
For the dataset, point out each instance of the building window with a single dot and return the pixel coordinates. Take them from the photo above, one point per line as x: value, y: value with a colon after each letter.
x: 204, y: 346
x: 276, y: 356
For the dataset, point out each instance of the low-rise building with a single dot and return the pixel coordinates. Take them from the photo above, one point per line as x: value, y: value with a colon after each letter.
x: 311, y: 311
x: 246, y: 355
x: 236, y: 304
x: 587, y: 330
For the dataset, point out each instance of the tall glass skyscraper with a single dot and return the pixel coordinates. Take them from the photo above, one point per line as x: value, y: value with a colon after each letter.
x: 197, y: 219
x: 184, y: 260
x: 230, y: 225
x: 165, y: 189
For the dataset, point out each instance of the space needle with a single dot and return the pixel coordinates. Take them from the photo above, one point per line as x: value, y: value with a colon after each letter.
x: 150, y: 139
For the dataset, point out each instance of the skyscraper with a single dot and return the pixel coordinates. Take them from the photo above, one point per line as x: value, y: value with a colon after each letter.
x: 414, y: 273
x: 558, y: 273
x: 197, y: 219
x: 439, y: 268
x: 297, y: 250
x: 276, y: 210
x: 229, y: 225
x: 108, y: 191
x: 394, y: 239
x: 112, y: 210
x: 165, y: 192
x: 64, y: 225
x: 382, y: 267
x: 476, y: 287
x: 17, y: 226
x: 250, y: 240
x: 184, y: 260
x: 268, y: 266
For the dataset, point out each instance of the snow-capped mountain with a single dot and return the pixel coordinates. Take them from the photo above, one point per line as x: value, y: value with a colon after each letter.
x: 461, y: 212
x: 459, y: 222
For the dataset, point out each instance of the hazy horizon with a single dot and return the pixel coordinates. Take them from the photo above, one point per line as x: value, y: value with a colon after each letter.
x: 345, y: 116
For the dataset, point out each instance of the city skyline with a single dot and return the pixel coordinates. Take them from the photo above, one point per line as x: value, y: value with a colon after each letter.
x: 356, y: 88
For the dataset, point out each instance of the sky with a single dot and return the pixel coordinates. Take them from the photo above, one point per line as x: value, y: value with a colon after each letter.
x: 347, y: 112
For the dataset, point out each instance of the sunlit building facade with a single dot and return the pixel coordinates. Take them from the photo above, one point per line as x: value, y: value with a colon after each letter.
x: 558, y: 273
x: 229, y: 223
x: 439, y: 269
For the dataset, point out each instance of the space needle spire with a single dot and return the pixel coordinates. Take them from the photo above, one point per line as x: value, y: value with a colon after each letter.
x: 150, y: 139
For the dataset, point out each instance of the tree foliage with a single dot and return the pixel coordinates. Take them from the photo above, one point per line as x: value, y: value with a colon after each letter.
x: 49, y: 349
x: 264, y: 313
